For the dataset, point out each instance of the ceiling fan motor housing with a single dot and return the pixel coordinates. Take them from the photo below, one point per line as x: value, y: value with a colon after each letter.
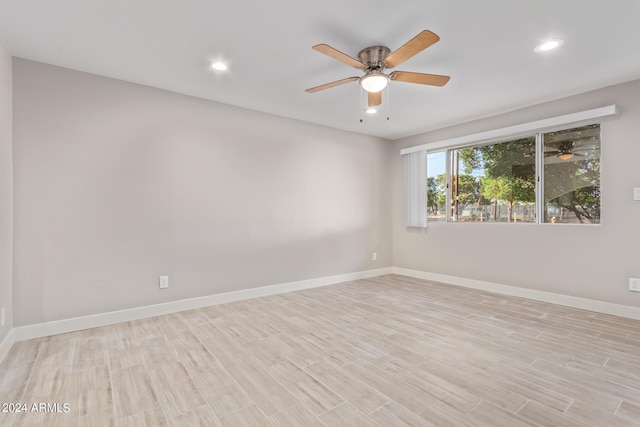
x: 373, y: 57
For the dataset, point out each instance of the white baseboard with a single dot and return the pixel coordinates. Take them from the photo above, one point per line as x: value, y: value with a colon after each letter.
x: 566, y: 300
x: 96, y: 320
x: 6, y: 344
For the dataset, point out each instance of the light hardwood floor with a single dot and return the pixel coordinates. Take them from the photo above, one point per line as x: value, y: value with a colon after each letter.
x: 388, y: 351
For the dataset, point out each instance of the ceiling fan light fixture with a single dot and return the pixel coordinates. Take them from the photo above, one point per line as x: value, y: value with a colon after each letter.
x: 565, y: 156
x: 374, y: 81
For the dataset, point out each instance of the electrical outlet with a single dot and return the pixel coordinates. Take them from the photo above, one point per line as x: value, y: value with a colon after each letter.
x: 374, y: 256
x: 164, y: 282
x: 634, y: 284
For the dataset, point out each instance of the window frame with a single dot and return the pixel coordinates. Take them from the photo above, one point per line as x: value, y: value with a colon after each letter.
x: 581, y: 118
x: 446, y: 193
x: 539, y: 170
x: 511, y: 138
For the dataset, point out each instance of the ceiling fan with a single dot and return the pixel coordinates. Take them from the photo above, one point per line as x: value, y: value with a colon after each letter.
x: 374, y: 60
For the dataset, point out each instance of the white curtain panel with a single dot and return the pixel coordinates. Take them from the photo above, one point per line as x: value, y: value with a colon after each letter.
x: 415, y: 189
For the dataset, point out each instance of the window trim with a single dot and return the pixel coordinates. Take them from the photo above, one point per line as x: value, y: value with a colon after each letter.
x: 538, y: 126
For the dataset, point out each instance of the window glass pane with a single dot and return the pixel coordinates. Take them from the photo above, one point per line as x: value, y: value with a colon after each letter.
x: 572, y: 175
x: 495, y: 182
x: 436, y: 186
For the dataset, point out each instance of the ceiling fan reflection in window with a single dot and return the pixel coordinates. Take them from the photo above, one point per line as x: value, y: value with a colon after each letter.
x: 375, y: 60
x: 565, y: 150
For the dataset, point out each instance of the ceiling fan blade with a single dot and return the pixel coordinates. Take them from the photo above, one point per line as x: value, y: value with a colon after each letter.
x: 410, y: 48
x: 552, y: 153
x: 336, y: 54
x: 420, y: 78
x: 375, y: 98
x: 332, y: 84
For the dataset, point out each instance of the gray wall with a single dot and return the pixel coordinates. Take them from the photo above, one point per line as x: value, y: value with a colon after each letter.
x: 6, y: 191
x: 117, y: 184
x: 586, y: 261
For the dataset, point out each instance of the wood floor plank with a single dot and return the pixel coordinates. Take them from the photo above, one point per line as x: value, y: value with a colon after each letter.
x: 488, y: 414
x: 559, y: 385
x: 588, y: 415
x: 521, y: 382
x: 157, y: 351
x: 437, y: 387
x: 443, y: 415
x: 544, y: 416
x: 312, y: 394
x: 251, y: 416
x: 623, y: 367
x: 262, y: 388
x: 48, y: 386
x: 346, y: 415
x: 56, y: 354
x: 393, y: 414
x: 234, y: 330
x: 202, y: 416
x: 145, y: 328
x: 89, y: 352
x: 190, y: 351
x: 172, y: 325
x: 605, y: 390
x: 123, y: 352
x: 89, y: 419
x: 176, y: 391
x: 144, y: 419
x: 629, y: 411
x: 220, y: 346
x: 219, y: 389
x: 390, y: 386
x: 133, y: 393
x: 294, y: 349
x: 333, y: 353
x: 357, y: 393
x: 89, y: 394
x: 194, y: 318
x: 605, y: 374
x: 13, y: 383
x: 474, y: 381
x: 23, y: 353
x: 296, y: 416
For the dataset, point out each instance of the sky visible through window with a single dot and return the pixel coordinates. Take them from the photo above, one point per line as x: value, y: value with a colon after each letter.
x: 436, y: 163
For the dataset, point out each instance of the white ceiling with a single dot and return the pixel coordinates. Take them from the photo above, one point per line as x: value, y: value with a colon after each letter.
x: 486, y: 47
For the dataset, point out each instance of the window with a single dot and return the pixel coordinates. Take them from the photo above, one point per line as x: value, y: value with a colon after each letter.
x: 437, y: 186
x: 494, y: 182
x: 551, y: 177
x: 572, y: 175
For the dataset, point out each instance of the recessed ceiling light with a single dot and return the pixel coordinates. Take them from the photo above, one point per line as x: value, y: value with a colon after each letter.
x: 372, y: 111
x: 549, y: 45
x: 219, y: 66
